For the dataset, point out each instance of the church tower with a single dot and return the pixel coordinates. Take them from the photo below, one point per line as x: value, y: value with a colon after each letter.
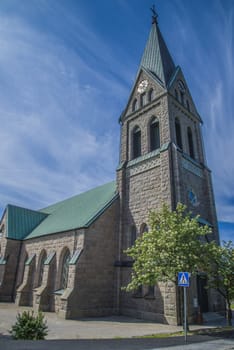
x: 161, y: 161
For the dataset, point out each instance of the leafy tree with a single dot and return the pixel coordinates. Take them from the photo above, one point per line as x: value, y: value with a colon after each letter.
x: 176, y: 242
x: 221, y: 274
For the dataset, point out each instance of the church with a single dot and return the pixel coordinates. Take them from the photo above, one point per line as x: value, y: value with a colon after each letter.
x: 68, y: 257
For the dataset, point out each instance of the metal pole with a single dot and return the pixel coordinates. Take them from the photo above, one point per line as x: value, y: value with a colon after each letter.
x: 185, y: 315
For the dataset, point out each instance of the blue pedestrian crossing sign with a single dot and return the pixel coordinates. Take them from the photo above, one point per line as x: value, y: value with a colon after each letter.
x: 183, y: 279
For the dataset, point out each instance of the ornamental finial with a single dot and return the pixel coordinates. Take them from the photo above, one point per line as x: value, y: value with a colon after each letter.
x: 155, y: 15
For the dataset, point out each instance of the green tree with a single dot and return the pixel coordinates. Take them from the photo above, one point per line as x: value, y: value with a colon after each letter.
x: 176, y: 242
x: 221, y: 274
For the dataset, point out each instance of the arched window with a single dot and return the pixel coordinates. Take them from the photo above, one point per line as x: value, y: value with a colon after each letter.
x: 134, y: 105
x: 176, y: 94
x: 182, y: 97
x: 144, y: 228
x: 154, y: 134
x: 65, y: 269
x: 151, y: 95
x: 188, y: 106
x: 136, y: 142
x: 143, y: 99
x: 41, y: 265
x: 190, y: 143
x: 133, y: 234
x: 178, y: 133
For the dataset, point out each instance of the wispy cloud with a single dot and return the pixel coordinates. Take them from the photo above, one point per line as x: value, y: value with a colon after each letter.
x: 64, y: 82
x: 207, y: 61
x: 49, y: 145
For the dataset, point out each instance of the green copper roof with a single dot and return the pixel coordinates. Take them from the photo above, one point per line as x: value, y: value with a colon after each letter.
x: 156, y: 57
x: 76, y: 212
x: 21, y: 221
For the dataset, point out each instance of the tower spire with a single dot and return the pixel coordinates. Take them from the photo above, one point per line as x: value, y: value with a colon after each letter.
x: 156, y: 57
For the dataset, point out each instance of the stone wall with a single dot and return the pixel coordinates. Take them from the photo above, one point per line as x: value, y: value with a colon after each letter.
x: 95, y: 272
x: 11, y: 251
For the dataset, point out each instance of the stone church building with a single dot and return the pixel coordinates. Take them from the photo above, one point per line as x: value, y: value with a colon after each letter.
x: 68, y: 257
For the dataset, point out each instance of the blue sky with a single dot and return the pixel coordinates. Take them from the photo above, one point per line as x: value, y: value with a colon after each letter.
x: 66, y: 71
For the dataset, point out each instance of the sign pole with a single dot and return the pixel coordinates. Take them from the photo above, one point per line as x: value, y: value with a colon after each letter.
x: 185, y: 315
x: 183, y: 281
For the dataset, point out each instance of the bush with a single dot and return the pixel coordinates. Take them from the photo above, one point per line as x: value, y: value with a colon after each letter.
x: 29, y: 326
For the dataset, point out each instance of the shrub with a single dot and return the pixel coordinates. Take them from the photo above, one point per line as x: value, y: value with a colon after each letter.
x: 29, y: 326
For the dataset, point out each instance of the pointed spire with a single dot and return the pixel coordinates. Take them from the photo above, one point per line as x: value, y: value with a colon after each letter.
x: 156, y: 57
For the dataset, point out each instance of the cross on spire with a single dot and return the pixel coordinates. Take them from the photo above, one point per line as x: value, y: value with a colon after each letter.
x: 155, y: 15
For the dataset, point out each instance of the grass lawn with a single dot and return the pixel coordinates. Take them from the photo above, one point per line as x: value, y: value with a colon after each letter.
x: 227, y: 332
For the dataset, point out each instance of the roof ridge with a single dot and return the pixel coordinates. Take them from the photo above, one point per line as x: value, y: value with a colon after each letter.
x: 24, y: 208
x: 76, y: 212
x: 74, y: 196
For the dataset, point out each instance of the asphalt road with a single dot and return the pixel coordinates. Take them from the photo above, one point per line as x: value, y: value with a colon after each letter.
x: 175, y: 343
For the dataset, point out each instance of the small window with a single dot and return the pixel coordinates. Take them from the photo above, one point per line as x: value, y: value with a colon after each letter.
x: 134, y: 105
x: 178, y: 133
x: 154, y: 135
x: 65, y: 270
x: 133, y: 234
x: 176, y: 95
x: 41, y: 268
x: 150, y: 95
x: 143, y: 99
x: 136, y: 142
x: 190, y: 143
x: 182, y: 97
x: 188, y: 106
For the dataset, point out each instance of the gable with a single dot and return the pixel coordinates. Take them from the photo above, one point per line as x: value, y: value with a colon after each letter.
x: 21, y: 221
x: 178, y: 86
x: 138, y: 90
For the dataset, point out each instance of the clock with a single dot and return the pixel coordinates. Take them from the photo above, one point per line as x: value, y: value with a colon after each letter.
x: 142, y: 86
x: 193, y: 198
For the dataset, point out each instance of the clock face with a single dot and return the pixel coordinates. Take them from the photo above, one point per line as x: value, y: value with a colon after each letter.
x: 193, y: 198
x: 142, y: 86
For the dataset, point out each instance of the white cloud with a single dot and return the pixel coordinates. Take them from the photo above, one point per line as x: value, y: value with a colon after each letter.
x: 208, y: 65
x: 49, y: 147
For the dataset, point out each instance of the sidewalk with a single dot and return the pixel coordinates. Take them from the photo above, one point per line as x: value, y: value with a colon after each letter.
x: 93, y: 328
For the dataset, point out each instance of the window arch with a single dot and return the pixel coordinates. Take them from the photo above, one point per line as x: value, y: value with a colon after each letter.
x: 65, y: 269
x: 134, y: 105
x: 41, y: 265
x: 154, y: 134
x: 182, y: 97
x: 136, y: 142
x: 133, y: 234
x: 143, y: 99
x: 188, y: 106
x: 178, y: 133
x: 151, y: 95
x: 190, y: 142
